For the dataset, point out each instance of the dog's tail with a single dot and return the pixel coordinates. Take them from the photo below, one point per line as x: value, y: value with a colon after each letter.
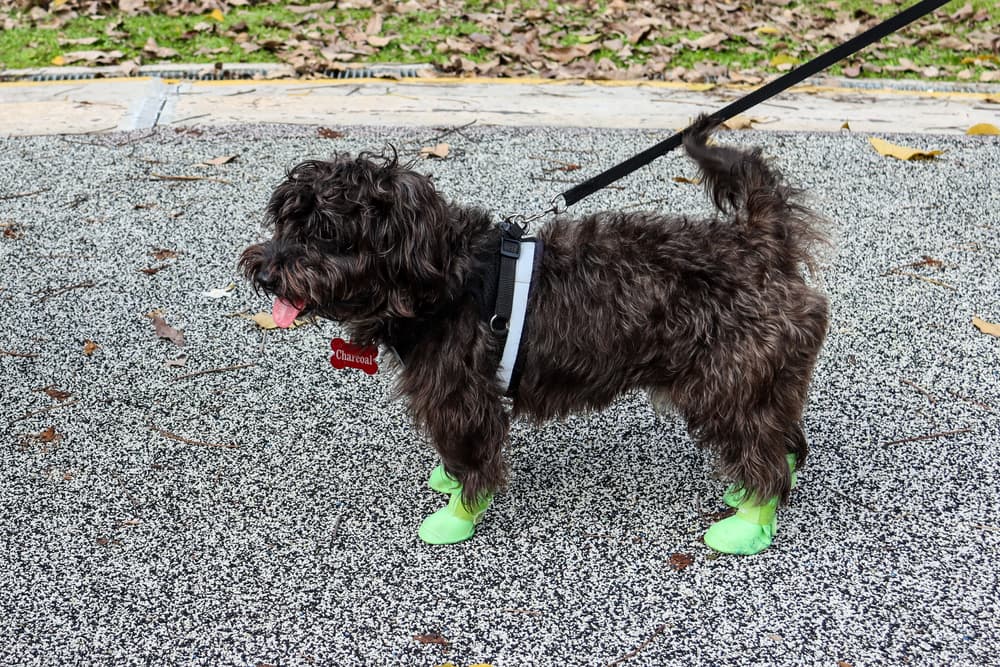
x: 743, y: 185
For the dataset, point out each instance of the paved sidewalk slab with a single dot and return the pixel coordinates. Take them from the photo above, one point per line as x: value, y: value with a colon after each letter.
x: 37, y: 108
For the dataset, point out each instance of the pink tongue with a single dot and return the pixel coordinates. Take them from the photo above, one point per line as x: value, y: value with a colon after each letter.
x: 284, y: 312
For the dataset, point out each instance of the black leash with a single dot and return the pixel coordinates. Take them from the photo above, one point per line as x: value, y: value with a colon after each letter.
x: 797, y: 75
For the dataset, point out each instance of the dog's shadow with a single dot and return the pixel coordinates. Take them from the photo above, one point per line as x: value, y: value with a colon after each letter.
x: 620, y: 470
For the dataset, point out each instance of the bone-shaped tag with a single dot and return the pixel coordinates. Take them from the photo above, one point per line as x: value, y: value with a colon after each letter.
x: 349, y: 355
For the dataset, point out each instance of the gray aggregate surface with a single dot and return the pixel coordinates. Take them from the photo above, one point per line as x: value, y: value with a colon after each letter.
x: 284, y: 531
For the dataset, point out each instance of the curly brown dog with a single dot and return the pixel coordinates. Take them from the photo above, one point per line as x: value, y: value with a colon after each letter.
x: 713, y: 317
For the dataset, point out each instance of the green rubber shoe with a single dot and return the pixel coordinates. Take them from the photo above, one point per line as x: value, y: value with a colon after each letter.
x: 747, y: 532
x: 442, y: 482
x: 734, y: 495
x: 453, y: 523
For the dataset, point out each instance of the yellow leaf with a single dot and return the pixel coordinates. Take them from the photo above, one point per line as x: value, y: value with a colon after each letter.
x: 440, y: 151
x: 846, y: 126
x: 902, y: 152
x: 740, y: 123
x: 783, y: 59
x: 767, y: 30
x: 980, y: 60
x: 983, y: 128
x: 217, y: 161
x: 59, y: 61
x: 218, y: 15
x: 986, y: 327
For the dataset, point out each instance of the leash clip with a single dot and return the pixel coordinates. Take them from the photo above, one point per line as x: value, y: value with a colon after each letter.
x: 522, y: 220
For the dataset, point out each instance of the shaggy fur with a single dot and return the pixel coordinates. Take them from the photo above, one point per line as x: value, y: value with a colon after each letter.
x: 712, y: 317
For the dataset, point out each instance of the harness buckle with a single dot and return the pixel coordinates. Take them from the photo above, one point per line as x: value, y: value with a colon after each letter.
x: 510, y: 248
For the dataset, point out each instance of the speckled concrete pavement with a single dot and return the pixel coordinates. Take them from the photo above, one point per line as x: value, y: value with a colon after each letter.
x: 267, y: 514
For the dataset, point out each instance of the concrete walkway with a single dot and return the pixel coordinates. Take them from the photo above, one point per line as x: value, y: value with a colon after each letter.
x: 103, y: 105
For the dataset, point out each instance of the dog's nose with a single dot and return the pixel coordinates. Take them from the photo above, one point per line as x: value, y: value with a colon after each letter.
x: 265, y: 279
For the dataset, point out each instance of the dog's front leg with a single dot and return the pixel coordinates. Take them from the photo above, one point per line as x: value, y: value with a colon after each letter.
x: 468, y: 426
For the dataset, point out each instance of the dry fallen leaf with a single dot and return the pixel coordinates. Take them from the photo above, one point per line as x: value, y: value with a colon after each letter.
x: 685, y: 179
x: 217, y: 161
x: 151, y: 48
x: 55, y: 393
x: 986, y: 327
x: 164, y: 330
x: 781, y: 59
x: 327, y: 133
x: 50, y: 435
x: 81, y: 41
x: 902, y: 152
x: 220, y: 292
x: 740, y: 123
x: 175, y: 363
x: 708, y: 41
x: 431, y: 639
x: 440, y: 151
x: 983, y: 128
x: 90, y: 57
x: 11, y: 230
x: 89, y: 347
x: 161, y: 254
x: 679, y: 561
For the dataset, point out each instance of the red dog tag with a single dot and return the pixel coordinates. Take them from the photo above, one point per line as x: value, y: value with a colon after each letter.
x: 349, y: 355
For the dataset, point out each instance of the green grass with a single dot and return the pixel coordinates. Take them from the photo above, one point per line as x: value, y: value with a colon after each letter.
x: 416, y: 35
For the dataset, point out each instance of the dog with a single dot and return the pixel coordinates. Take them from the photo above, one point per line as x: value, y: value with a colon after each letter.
x: 715, y: 318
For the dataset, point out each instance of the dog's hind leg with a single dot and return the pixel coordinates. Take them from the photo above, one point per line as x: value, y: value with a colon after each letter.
x: 752, y: 528
x: 797, y: 448
x: 750, y: 418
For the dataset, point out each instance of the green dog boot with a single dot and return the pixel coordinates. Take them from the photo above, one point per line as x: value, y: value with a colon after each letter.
x: 442, y: 482
x: 747, y: 532
x: 734, y: 495
x: 453, y: 523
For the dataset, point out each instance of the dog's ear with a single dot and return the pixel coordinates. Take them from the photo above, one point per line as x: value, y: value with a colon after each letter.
x: 295, y: 200
x: 413, y: 223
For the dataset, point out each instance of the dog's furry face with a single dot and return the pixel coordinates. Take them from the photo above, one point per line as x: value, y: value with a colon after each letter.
x: 354, y: 239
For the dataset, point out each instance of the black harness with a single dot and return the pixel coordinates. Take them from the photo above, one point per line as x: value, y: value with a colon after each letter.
x: 491, y: 287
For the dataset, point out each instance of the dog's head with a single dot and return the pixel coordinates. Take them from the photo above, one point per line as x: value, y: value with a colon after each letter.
x: 354, y: 239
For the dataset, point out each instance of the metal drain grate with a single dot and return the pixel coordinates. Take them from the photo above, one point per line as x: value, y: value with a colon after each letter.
x: 188, y: 74
x: 380, y: 71
x: 227, y: 72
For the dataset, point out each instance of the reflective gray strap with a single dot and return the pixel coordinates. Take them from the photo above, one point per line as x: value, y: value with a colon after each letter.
x: 522, y: 285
